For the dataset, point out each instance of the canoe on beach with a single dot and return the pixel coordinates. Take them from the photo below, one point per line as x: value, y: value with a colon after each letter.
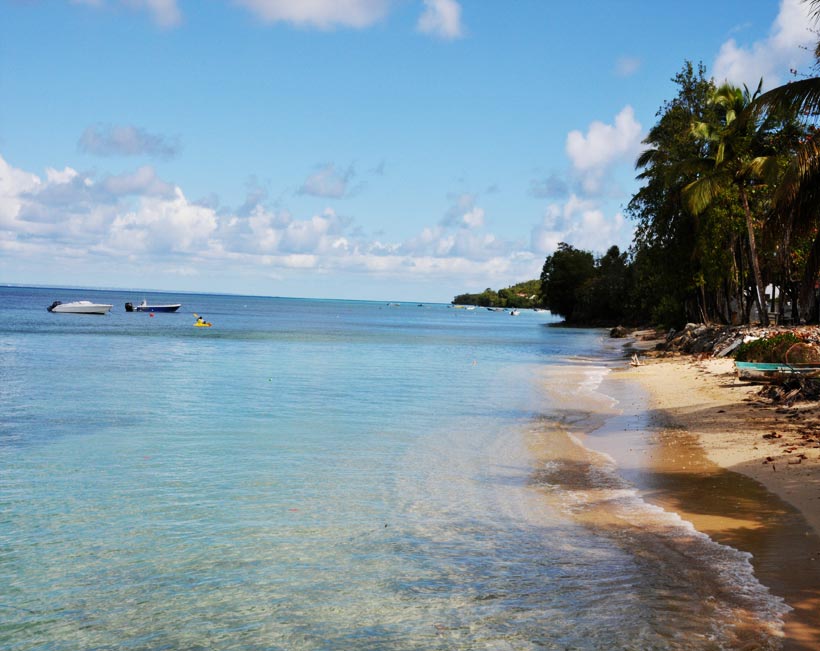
x: 774, y: 372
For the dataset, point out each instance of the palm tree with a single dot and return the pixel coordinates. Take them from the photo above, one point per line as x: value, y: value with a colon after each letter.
x: 730, y: 160
x: 797, y: 200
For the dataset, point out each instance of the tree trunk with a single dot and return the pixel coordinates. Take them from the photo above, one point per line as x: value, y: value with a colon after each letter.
x: 807, y: 297
x: 757, y: 279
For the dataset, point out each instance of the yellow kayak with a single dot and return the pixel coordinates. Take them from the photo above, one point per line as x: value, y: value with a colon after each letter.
x: 203, y: 325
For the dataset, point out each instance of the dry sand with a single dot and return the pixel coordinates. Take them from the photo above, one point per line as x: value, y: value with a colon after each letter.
x: 741, y: 469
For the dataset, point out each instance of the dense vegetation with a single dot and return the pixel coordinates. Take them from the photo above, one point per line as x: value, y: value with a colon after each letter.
x: 727, y: 216
x: 526, y: 294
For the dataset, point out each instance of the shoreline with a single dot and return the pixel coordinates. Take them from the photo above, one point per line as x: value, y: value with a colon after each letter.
x: 742, y: 470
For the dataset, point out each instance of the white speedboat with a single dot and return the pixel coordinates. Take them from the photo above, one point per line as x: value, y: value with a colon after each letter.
x: 79, y: 307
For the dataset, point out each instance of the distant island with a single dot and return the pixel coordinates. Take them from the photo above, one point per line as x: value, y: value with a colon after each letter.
x: 522, y: 295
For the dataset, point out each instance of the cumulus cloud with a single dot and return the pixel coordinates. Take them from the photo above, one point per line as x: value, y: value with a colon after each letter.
x: 580, y: 222
x: 322, y: 14
x: 464, y: 213
x: 441, y: 18
x: 789, y: 46
x: 108, y: 140
x: 604, y: 145
x: 162, y: 225
x: 329, y: 182
x: 136, y: 216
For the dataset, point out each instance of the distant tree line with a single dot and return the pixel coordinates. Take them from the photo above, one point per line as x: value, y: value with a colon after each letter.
x: 586, y: 290
x: 521, y: 295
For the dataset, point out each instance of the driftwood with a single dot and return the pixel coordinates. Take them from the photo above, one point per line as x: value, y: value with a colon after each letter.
x: 793, y: 389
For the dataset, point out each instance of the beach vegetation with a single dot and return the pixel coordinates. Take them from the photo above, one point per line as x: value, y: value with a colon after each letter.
x: 770, y: 349
x: 586, y: 290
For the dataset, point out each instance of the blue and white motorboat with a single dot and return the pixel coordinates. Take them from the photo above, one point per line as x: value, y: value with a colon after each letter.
x: 145, y: 307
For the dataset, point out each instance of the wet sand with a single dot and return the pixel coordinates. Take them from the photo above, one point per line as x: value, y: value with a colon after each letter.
x: 696, y: 441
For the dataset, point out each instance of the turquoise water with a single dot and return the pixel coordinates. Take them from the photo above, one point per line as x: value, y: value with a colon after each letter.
x: 329, y: 475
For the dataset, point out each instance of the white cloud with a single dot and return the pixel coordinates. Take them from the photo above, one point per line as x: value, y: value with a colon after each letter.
x: 441, y: 18
x: 464, y: 213
x: 582, y: 223
x: 143, y: 182
x: 593, y: 154
x: 788, y: 46
x: 162, y: 225
x: 125, y: 140
x: 324, y: 14
x: 474, y: 218
x: 14, y: 184
x: 127, y: 220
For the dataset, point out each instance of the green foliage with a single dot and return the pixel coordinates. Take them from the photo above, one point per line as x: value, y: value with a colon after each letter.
x: 767, y: 349
x: 585, y: 290
x: 521, y: 295
x: 563, y: 277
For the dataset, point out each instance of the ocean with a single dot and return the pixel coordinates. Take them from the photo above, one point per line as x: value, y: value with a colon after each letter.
x: 328, y: 474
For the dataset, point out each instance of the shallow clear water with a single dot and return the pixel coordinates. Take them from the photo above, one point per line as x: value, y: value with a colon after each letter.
x: 331, y: 475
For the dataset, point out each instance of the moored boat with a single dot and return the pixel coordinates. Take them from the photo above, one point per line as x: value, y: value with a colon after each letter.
x: 145, y: 307
x: 79, y: 307
x: 774, y: 372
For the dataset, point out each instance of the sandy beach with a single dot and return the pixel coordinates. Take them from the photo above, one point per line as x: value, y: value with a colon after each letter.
x: 740, y: 468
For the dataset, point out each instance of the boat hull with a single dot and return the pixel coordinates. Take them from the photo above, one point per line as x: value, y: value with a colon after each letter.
x: 157, y: 308
x: 80, y: 307
x: 144, y: 307
x: 767, y: 372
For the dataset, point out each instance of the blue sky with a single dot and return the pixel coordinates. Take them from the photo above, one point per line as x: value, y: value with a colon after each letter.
x: 370, y: 149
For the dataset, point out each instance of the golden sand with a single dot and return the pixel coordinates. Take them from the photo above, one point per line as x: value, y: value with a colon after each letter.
x: 742, y: 470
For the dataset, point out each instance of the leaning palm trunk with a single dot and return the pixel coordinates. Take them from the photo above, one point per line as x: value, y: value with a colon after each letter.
x: 757, y: 279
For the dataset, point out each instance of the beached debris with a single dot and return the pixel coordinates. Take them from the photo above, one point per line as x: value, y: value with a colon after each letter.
x: 791, y: 390
x: 695, y: 338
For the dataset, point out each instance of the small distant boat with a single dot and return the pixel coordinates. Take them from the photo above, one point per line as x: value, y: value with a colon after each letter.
x: 79, y: 307
x: 145, y: 307
x: 774, y: 372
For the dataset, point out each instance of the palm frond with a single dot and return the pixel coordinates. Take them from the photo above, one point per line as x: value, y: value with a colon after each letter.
x: 802, y: 174
x: 646, y: 158
x: 700, y: 193
x: 765, y: 168
x: 803, y: 97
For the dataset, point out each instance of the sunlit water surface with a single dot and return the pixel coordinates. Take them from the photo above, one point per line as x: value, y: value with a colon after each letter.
x: 332, y: 475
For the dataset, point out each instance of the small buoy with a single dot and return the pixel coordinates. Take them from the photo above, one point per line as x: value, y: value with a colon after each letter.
x: 151, y: 315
